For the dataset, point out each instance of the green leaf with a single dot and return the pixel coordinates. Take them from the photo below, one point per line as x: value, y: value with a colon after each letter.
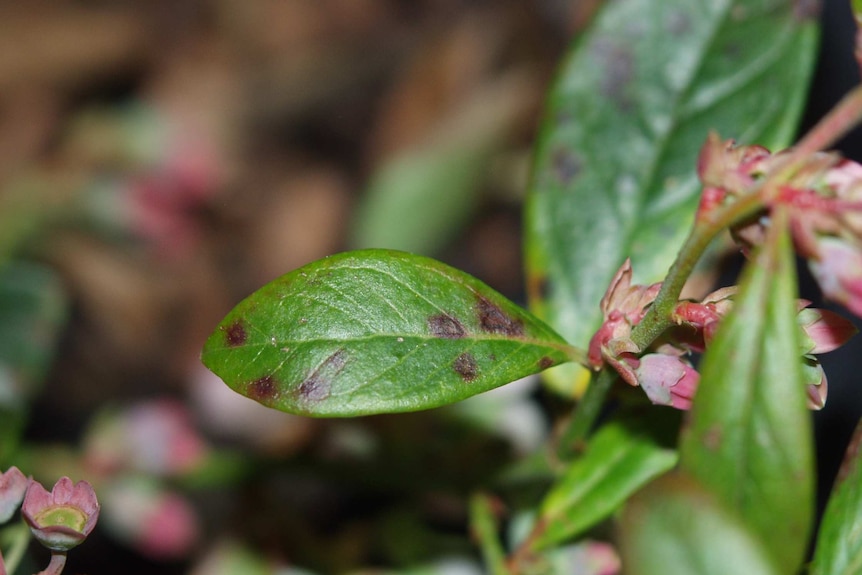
x: 839, y: 543
x: 33, y: 310
x: 749, y: 435
x: 614, y: 169
x: 622, y: 457
x: 376, y: 331
x: 674, y: 527
x: 418, y: 199
x: 483, y: 525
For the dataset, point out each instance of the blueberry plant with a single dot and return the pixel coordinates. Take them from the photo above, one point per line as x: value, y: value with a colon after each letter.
x: 632, y: 192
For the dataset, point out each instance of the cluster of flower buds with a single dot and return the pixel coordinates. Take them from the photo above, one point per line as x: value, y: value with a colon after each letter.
x: 60, y: 519
x: 664, y: 372
x: 822, y: 194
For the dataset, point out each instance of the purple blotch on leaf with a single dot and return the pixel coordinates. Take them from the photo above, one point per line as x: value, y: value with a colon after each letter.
x: 492, y: 319
x: 235, y: 334
x: 445, y: 326
x: 565, y: 164
x: 465, y: 366
x: 317, y: 386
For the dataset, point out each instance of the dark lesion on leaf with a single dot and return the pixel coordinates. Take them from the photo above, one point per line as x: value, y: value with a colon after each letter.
x: 465, y: 366
x: 494, y: 320
x: 263, y: 390
x: 565, y: 165
x: 445, y: 326
x: 545, y: 362
x: 235, y: 334
x: 318, y: 385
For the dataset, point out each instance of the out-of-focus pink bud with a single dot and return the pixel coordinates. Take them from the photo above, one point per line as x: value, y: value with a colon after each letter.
x: 838, y: 271
x: 823, y: 330
x: 13, y: 485
x: 156, y: 437
x: 62, y: 519
x: 158, y: 523
x: 667, y: 380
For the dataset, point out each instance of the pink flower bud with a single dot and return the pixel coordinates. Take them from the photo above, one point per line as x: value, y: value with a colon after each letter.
x: 667, y: 380
x: 157, y: 437
x: 62, y: 519
x: 158, y: 523
x: 13, y: 485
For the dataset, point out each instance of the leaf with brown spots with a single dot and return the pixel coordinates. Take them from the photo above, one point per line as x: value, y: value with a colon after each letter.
x: 377, y: 331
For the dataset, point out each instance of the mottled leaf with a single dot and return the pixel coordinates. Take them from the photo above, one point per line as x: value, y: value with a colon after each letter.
x: 622, y: 457
x: 839, y: 543
x: 749, y: 435
x: 376, y: 331
x: 614, y: 171
x: 675, y: 527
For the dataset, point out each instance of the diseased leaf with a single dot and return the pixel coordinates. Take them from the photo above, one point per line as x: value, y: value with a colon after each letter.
x: 675, y: 527
x: 621, y: 458
x: 749, y: 435
x: 839, y: 543
x: 376, y: 331
x: 614, y: 169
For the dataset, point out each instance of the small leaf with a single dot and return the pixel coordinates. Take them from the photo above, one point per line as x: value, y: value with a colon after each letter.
x: 621, y: 458
x: 674, y: 527
x: 376, y: 331
x: 839, y: 543
x: 749, y: 436
x: 614, y: 168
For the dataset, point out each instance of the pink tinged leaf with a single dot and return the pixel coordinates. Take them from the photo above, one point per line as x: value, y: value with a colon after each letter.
x: 838, y: 271
x: 13, y: 485
x: 667, y: 380
x: 824, y: 331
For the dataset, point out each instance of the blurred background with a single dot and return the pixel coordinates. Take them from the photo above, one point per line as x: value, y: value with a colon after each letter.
x: 161, y: 160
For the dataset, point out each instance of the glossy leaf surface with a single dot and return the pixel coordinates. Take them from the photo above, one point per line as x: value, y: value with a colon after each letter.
x: 749, y: 435
x: 614, y: 171
x: 676, y: 527
x: 376, y: 331
x: 839, y: 543
x: 621, y: 458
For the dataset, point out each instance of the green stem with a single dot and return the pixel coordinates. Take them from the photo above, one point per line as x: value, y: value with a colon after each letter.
x: 658, y: 318
x: 573, y: 438
x: 484, y: 527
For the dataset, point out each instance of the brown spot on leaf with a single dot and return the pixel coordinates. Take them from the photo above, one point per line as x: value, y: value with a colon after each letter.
x: 492, y: 319
x: 318, y: 385
x: 465, y: 366
x: 263, y: 390
x: 566, y: 165
x: 235, y: 334
x: 713, y: 438
x: 545, y: 362
x: 618, y: 64
x: 446, y: 326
